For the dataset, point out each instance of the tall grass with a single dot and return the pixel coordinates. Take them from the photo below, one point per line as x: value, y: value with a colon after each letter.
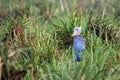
x: 42, y: 50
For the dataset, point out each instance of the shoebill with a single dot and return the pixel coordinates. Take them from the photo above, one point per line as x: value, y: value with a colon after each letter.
x: 78, y: 44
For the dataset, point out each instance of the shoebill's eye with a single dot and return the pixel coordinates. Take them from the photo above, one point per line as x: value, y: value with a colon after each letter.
x: 76, y: 29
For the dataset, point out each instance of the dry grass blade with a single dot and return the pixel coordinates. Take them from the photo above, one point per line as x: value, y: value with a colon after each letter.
x: 1, y: 64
